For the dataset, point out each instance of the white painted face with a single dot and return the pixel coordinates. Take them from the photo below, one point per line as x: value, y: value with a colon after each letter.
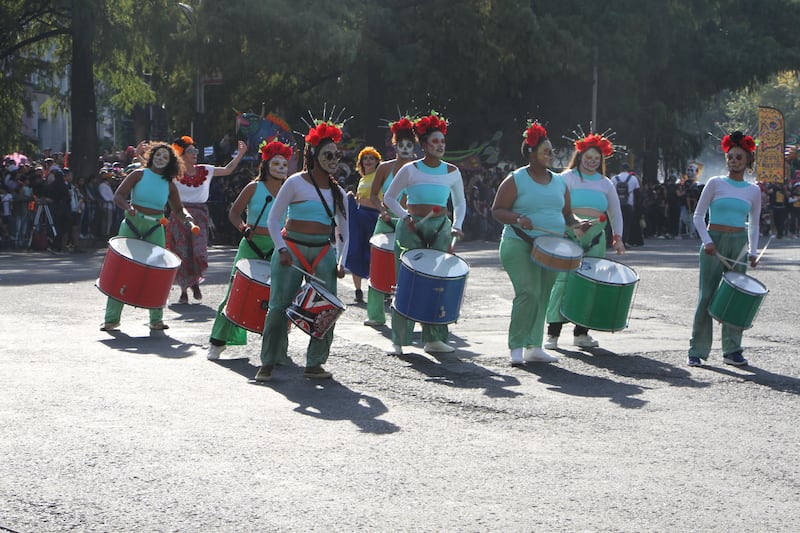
x: 691, y: 170
x: 278, y: 167
x: 405, y: 149
x: 329, y: 157
x: 590, y: 161
x: 435, y: 144
x: 161, y: 158
x: 737, y: 159
x: 544, y: 154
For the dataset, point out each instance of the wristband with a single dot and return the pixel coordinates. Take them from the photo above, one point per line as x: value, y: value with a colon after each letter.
x: 284, y: 249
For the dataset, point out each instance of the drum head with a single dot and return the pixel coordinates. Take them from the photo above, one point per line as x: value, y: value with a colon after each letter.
x: 144, y: 252
x: 384, y: 241
x: 558, y: 247
x: 745, y: 283
x: 255, y: 269
x: 328, y: 295
x: 607, y: 271
x: 435, y: 263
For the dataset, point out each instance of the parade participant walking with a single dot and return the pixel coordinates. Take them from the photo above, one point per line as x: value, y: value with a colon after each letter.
x: 256, y: 243
x: 363, y: 216
x: 313, y: 206
x: 403, y: 143
x: 592, y: 194
x: 734, y: 207
x: 149, y: 189
x: 193, y: 187
x: 532, y: 201
x: 428, y: 184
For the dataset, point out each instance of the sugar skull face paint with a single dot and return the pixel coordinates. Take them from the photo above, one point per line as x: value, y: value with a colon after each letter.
x: 590, y: 161
x: 435, y: 144
x: 278, y: 167
x: 405, y: 149
x: 161, y: 159
x: 329, y: 158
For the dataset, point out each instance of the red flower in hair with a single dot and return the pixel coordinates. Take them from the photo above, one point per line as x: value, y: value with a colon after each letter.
x: 595, y: 141
x: 402, y: 124
x: 737, y: 138
x: 323, y: 130
x: 534, y: 132
x: 271, y: 149
x: 430, y: 123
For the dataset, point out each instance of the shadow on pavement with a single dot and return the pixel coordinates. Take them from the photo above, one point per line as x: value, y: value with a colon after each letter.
x: 157, y: 343
x: 635, y: 366
x: 196, y: 313
x: 760, y: 376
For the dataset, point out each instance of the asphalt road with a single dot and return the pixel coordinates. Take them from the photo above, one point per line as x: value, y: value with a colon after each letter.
x: 139, y: 432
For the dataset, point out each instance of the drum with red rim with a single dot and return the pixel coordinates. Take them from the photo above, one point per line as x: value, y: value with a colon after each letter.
x: 248, y: 300
x: 382, y: 272
x: 137, y: 272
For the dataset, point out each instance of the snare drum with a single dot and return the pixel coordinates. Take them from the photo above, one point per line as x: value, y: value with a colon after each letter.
x: 138, y: 272
x: 248, y: 300
x: 599, y: 294
x: 430, y: 286
x: 737, y: 300
x: 315, y: 309
x: 556, y: 253
x: 382, y: 274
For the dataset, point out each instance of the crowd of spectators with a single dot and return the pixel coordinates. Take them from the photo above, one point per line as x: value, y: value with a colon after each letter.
x: 42, y: 207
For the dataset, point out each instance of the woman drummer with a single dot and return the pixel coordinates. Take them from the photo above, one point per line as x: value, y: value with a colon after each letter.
x: 592, y: 194
x: 363, y: 216
x: 149, y: 190
x: 428, y: 184
x: 256, y: 243
x: 403, y: 143
x: 313, y: 207
x: 531, y: 202
x: 734, y: 207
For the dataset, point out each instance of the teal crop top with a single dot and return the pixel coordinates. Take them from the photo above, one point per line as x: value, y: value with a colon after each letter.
x: 309, y: 210
x: 429, y: 193
x: 152, y: 191
x: 256, y: 204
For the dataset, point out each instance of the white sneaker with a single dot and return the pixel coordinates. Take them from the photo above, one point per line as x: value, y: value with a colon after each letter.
x: 516, y: 357
x: 438, y: 347
x: 552, y: 342
x: 585, y: 341
x: 396, y: 350
x: 538, y: 355
x: 214, y: 351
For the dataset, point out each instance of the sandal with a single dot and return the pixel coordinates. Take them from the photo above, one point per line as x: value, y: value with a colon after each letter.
x: 184, y: 299
x: 109, y: 326
x: 196, y: 292
x: 158, y: 326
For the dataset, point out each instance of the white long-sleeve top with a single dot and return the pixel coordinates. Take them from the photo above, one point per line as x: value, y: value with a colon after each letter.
x: 595, y: 192
x: 298, y: 190
x: 424, y: 188
x: 731, y: 203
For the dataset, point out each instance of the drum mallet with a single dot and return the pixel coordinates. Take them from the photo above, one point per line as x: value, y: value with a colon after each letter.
x: 435, y: 210
x: 312, y: 276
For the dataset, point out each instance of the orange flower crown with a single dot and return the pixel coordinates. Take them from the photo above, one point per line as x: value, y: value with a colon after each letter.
x: 533, y: 133
x: 180, y: 144
x: 271, y: 149
x: 737, y: 138
x: 324, y: 130
x: 594, y: 140
x: 432, y: 122
x: 404, y: 123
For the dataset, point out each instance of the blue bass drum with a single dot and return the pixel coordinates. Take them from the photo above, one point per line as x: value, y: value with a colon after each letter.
x: 430, y: 286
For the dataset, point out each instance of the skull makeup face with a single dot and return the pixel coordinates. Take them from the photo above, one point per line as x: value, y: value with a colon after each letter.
x: 329, y: 157
x: 405, y: 148
x: 435, y: 144
x: 161, y: 158
x: 590, y: 161
x: 278, y: 167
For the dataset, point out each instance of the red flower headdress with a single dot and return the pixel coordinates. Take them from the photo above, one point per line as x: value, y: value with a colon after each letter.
x: 430, y: 123
x: 533, y: 133
x: 594, y: 140
x: 271, y: 149
x: 324, y: 130
x: 737, y: 138
x: 402, y: 124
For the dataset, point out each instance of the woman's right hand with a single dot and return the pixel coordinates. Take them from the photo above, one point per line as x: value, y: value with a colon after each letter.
x: 285, y: 258
x: 710, y: 249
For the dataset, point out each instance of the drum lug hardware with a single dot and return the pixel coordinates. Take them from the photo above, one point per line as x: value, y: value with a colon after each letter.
x: 264, y: 305
x: 122, y: 290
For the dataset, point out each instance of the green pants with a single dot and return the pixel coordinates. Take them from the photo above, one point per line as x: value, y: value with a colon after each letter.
x: 376, y: 310
x: 285, y: 282
x: 436, y: 232
x: 711, y: 271
x: 532, y: 285
x: 224, y: 330
x: 598, y: 249
x: 143, y: 225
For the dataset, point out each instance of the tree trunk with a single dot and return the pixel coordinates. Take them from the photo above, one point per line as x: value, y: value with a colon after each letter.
x: 83, y: 160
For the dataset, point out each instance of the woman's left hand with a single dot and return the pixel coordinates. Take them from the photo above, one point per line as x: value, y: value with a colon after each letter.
x: 457, y: 233
x: 339, y: 271
x: 753, y: 261
x: 242, y: 147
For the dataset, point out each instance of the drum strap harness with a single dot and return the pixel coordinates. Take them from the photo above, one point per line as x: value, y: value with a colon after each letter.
x: 139, y: 234
x: 427, y: 243
x: 259, y: 252
x: 522, y: 235
x: 292, y: 243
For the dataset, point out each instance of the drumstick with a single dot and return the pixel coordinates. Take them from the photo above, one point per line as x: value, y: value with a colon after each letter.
x: 537, y: 228
x: 434, y: 211
x: 724, y: 260
x: 452, y: 246
x: 764, y: 249
x: 312, y: 276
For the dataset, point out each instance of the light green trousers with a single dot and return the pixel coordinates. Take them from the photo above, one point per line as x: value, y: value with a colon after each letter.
x: 376, y: 310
